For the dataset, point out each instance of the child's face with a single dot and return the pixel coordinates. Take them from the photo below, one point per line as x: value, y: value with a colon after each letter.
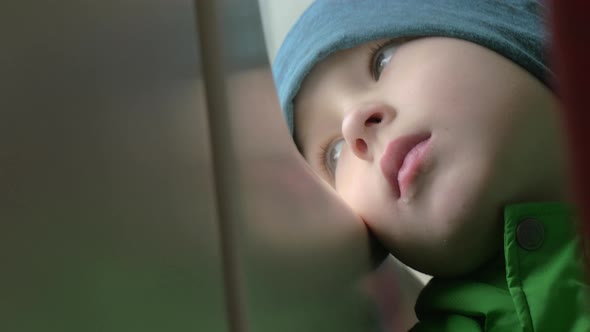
x: 473, y: 131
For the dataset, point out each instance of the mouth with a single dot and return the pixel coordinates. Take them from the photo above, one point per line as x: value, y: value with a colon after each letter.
x: 402, y: 160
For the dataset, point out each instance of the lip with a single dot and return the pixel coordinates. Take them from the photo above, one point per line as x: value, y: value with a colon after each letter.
x: 402, y: 160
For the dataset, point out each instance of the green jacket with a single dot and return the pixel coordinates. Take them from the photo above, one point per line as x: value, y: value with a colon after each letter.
x: 539, y: 284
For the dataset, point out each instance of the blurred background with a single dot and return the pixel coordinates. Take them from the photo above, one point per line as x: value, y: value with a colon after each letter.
x: 277, y: 19
x: 148, y: 183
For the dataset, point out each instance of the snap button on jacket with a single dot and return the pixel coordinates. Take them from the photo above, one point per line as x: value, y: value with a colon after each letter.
x: 538, y: 285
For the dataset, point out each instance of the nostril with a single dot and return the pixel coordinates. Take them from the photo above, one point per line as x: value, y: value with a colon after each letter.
x: 374, y: 119
x: 361, y: 145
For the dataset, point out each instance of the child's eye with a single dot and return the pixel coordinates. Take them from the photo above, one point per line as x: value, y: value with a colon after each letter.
x: 381, y: 55
x: 331, y: 154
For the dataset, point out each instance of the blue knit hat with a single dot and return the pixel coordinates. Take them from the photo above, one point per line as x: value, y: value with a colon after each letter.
x: 512, y: 28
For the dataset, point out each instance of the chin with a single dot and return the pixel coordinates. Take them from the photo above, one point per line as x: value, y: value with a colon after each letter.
x: 450, y: 250
x: 448, y: 264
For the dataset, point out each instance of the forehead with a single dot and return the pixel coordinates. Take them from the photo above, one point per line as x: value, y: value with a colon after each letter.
x: 326, y: 89
x: 329, y: 71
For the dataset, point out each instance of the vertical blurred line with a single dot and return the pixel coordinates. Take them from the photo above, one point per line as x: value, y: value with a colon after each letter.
x: 571, y: 56
x: 224, y: 158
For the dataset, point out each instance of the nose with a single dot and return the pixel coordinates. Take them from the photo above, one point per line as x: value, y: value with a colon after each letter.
x: 361, y: 126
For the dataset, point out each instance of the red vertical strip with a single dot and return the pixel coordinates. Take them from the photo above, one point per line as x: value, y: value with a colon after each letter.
x: 571, y: 57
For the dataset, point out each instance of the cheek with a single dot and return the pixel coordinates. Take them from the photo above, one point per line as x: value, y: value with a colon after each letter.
x: 364, y: 190
x: 357, y: 184
x: 464, y: 178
